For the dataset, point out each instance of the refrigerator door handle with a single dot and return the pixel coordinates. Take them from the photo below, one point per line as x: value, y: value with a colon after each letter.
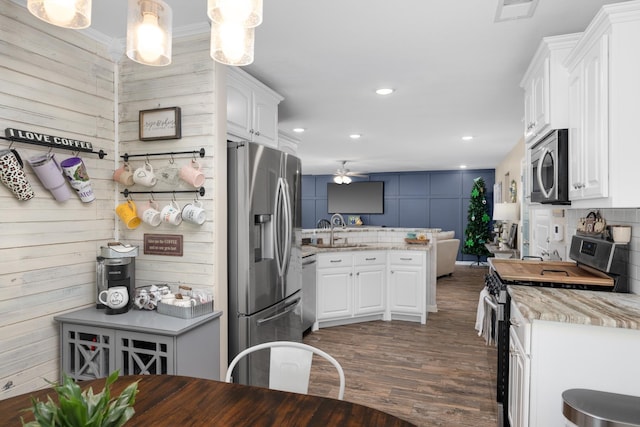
x: 277, y: 241
x: 288, y: 226
x: 287, y: 309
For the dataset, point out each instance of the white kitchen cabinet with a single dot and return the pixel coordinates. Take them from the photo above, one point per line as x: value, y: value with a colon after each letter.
x: 604, y: 110
x: 519, y: 370
x: 545, y: 87
x: 588, y: 125
x: 334, y: 285
x: 552, y: 357
x: 351, y: 284
x: 407, y: 284
x: 370, y: 271
x: 252, y: 109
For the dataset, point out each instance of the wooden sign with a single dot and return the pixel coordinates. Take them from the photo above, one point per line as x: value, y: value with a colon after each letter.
x: 47, y: 140
x: 163, y: 244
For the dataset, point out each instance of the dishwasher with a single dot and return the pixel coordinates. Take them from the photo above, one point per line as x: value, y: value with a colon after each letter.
x: 308, y: 292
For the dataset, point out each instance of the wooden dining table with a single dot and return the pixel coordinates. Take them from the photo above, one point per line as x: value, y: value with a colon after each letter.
x: 169, y: 400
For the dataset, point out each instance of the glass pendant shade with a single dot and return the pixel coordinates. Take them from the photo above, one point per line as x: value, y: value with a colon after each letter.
x: 74, y: 14
x: 149, y: 32
x: 247, y: 13
x: 232, y: 44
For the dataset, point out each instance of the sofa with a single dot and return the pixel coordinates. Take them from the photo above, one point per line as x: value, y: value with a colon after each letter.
x: 446, y: 252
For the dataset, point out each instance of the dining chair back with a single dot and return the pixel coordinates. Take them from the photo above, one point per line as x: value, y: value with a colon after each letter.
x: 290, y: 365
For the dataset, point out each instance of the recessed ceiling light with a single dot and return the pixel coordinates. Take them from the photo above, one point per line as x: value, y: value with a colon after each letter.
x: 298, y: 130
x: 384, y: 91
x: 355, y: 136
x: 467, y: 138
x: 463, y: 166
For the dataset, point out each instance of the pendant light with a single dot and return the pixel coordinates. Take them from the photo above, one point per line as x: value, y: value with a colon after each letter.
x: 149, y: 32
x: 247, y: 13
x: 74, y: 14
x: 232, y: 44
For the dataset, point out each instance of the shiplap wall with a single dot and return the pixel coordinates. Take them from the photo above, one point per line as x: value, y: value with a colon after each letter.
x: 188, y: 83
x: 61, y: 82
x: 57, y: 82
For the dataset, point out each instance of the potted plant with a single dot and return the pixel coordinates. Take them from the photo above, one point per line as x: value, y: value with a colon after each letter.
x: 77, y: 408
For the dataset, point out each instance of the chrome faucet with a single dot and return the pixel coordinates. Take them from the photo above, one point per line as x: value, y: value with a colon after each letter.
x: 336, y: 219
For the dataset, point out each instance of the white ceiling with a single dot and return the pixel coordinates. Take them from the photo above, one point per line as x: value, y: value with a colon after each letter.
x: 456, y: 72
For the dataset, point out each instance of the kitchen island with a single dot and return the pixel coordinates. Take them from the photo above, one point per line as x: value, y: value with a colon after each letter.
x: 370, y: 239
x: 562, y: 339
x: 358, y: 282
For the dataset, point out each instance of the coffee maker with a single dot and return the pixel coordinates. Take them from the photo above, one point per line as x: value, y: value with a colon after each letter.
x: 116, y: 266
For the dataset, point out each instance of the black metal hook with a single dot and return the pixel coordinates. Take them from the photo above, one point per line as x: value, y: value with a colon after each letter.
x: 201, y: 191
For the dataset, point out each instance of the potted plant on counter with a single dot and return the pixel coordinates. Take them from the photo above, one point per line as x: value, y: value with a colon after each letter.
x: 77, y: 408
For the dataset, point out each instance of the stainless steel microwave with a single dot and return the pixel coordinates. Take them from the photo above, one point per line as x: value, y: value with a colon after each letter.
x: 550, y: 169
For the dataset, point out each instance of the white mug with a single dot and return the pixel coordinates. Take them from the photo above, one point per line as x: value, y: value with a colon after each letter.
x: 115, y: 297
x: 144, y: 175
x: 194, y: 212
x: 150, y: 213
x: 171, y: 213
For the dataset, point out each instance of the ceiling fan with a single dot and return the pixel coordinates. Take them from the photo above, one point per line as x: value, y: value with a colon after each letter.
x: 343, y: 175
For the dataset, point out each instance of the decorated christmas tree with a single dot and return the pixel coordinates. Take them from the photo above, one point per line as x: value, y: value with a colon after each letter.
x: 477, y: 232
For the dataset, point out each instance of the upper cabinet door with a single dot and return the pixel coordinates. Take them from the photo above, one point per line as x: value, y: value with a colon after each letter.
x: 252, y: 109
x: 265, y: 120
x: 545, y: 87
x: 239, y: 105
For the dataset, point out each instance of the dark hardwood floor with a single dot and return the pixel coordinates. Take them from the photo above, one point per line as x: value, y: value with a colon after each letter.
x: 438, y: 374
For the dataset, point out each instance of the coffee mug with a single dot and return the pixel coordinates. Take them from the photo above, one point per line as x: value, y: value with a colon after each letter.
x: 124, y: 175
x: 194, y: 212
x: 50, y: 174
x: 191, y: 174
x: 115, y: 297
x: 144, y: 175
x: 150, y: 213
x: 141, y: 299
x: 128, y: 214
x: 76, y: 172
x: 171, y: 213
x: 12, y: 175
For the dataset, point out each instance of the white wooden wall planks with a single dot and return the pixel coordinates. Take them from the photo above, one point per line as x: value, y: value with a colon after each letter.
x: 61, y: 82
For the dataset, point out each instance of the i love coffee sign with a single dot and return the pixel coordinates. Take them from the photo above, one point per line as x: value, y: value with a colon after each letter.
x: 47, y: 140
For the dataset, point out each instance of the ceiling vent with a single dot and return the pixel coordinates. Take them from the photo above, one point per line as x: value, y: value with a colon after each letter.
x: 515, y: 9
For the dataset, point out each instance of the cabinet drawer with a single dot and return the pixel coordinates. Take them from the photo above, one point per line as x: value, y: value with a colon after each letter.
x: 406, y: 258
x: 336, y: 259
x: 521, y: 327
x: 369, y: 258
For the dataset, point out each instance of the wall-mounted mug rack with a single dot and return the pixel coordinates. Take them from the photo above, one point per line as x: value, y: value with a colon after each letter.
x: 53, y: 142
x: 200, y: 152
x: 126, y: 192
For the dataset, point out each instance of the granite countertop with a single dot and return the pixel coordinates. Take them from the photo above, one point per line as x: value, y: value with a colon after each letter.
x: 310, y: 249
x: 609, y: 309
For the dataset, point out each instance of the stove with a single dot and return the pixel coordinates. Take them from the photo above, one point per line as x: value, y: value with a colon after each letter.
x: 599, y: 265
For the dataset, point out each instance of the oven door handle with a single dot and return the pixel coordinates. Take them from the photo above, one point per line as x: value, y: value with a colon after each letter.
x: 497, y: 308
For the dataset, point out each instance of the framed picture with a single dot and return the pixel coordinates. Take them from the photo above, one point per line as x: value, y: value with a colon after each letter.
x: 160, y: 123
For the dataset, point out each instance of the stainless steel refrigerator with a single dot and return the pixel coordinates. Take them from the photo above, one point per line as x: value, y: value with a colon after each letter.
x: 265, y: 264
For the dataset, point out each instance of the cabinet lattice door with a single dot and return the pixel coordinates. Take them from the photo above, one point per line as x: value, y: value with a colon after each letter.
x: 144, y: 354
x: 87, y: 352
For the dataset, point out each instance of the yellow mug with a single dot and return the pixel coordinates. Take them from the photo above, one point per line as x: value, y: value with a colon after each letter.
x: 128, y: 214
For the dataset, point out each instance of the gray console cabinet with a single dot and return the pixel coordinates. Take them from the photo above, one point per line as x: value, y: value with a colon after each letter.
x: 93, y: 344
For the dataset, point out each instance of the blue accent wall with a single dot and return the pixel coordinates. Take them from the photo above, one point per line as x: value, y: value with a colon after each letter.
x: 429, y: 199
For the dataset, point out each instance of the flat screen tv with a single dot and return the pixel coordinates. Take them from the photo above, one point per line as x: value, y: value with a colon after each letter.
x: 362, y: 197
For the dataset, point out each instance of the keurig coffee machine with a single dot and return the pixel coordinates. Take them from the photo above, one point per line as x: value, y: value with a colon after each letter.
x: 115, y: 277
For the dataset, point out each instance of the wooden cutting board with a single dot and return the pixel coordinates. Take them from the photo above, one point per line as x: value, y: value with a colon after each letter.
x: 549, y: 271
